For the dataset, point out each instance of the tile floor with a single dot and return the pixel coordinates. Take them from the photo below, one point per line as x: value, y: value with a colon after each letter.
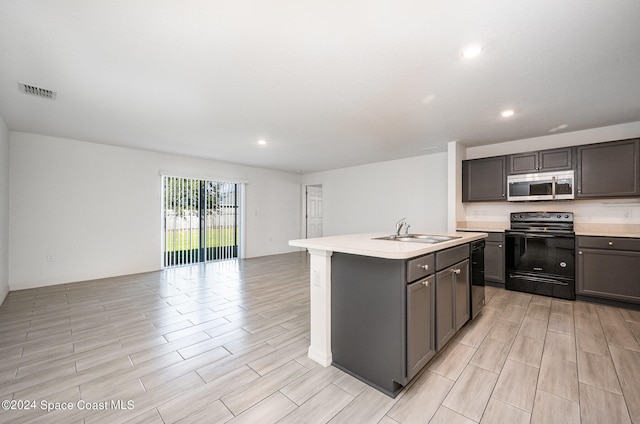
x: 226, y: 342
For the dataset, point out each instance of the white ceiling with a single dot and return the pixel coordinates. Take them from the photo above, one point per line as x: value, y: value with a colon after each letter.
x: 328, y: 84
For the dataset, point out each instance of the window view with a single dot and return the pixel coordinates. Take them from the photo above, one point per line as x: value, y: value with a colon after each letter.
x: 200, y: 220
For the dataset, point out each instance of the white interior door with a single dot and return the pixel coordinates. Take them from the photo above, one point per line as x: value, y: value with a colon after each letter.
x: 314, y: 211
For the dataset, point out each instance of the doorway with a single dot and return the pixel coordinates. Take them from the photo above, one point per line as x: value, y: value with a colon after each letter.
x: 201, y: 220
x: 313, y: 210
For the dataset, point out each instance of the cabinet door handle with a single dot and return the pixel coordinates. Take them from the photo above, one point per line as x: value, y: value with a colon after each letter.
x: 456, y: 271
x: 500, y: 246
x: 425, y: 267
x: 425, y: 283
x: 579, y: 252
x: 610, y: 243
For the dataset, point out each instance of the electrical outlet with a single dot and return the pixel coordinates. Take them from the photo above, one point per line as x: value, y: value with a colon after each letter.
x: 51, y: 258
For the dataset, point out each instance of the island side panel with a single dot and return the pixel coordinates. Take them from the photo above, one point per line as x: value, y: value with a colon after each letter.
x: 368, y: 309
x: 320, y: 305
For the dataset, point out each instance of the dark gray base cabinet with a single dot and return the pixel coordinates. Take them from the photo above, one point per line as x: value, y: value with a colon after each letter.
x: 452, y: 298
x: 384, y: 313
x: 421, y: 346
x: 494, y: 258
x: 609, y: 268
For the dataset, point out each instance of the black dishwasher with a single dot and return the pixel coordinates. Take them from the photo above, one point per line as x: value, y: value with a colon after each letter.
x: 477, y: 277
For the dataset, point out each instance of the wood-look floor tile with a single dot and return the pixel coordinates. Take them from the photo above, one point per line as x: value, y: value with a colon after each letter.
x: 419, y: 404
x: 598, y: 371
x: 627, y: 364
x: 243, y: 398
x: 521, y: 299
x: 445, y: 415
x: 213, y: 412
x: 217, y: 369
x: 550, y: 409
x: 491, y: 355
x: 198, y: 398
x: 321, y: 407
x: 517, y: 385
x: 504, y: 331
x: 501, y: 412
x: 630, y: 315
x: 281, y: 356
x: 591, y: 342
x: 368, y: 407
x: 561, y: 346
x: 309, y: 384
x: 541, y: 300
x: 270, y: 410
x: 526, y: 351
x: 533, y: 328
x: 562, y: 307
x: 587, y: 321
x: 473, y: 333
x: 559, y: 377
x: 513, y: 313
x: 538, y: 311
x: 561, y: 324
x: 173, y: 371
x: 350, y: 384
x: 165, y: 328
x: 149, y: 417
x: 471, y: 392
x: 452, y: 360
x: 600, y: 406
x: 620, y: 335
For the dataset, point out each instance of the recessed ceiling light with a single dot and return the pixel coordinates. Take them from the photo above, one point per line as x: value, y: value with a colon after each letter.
x: 472, y: 51
x: 507, y: 113
x: 262, y: 142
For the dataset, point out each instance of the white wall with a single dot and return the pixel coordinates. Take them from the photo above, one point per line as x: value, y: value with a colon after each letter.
x: 371, y: 198
x: 4, y: 210
x: 96, y: 209
x: 607, y: 211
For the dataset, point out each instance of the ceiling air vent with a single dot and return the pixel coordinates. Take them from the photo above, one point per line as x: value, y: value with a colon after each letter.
x: 37, y: 91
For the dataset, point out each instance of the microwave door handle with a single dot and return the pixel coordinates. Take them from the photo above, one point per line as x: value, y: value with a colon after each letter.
x: 553, y: 187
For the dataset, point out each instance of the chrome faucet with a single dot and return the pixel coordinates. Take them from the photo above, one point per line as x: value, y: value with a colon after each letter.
x: 402, y: 223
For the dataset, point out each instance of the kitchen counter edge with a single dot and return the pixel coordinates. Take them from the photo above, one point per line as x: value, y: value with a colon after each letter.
x: 366, y: 245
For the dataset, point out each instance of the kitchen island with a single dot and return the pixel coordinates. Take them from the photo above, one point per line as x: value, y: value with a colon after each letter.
x: 371, y: 288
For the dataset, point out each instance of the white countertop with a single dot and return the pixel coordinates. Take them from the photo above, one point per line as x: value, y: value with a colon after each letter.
x: 365, y: 245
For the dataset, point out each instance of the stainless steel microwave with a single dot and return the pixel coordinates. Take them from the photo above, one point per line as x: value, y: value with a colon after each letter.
x: 541, y: 186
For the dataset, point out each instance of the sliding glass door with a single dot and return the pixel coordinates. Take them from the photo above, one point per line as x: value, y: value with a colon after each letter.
x: 201, y: 219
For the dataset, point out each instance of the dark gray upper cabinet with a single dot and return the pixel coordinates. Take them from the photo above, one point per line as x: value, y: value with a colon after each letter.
x: 484, y: 180
x: 609, y: 169
x: 542, y: 161
x: 609, y: 268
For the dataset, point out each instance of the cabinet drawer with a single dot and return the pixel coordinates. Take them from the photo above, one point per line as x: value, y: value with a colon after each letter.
x: 499, y: 237
x: 613, y: 243
x: 420, y: 267
x: 448, y: 257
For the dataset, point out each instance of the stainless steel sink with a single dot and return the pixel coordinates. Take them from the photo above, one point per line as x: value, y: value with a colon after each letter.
x: 418, y: 238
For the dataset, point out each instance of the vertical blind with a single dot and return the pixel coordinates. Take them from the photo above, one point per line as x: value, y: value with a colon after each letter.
x: 201, y: 220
